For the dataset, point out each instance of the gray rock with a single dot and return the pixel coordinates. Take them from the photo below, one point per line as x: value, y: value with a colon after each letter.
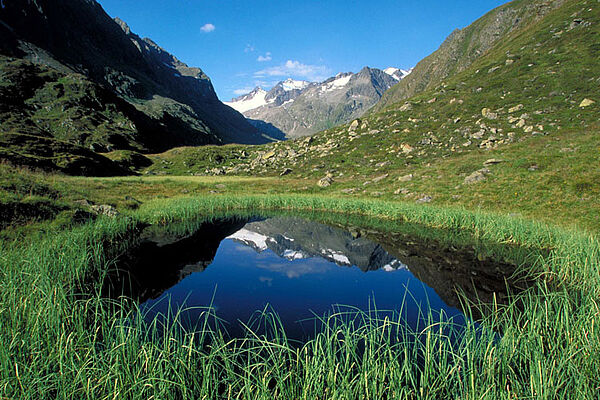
x: 104, y: 209
x: 477, y: 176
x: 492, y: 161
x: 487, y: 113
x: 516, y: 108
x: 406, y: 107
x: 380, y: 178
x: 324, y: 182
x: 425, y: 199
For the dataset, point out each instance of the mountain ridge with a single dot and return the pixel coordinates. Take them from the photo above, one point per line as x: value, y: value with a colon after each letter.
x: 335, y: 100
x: 164, y: 102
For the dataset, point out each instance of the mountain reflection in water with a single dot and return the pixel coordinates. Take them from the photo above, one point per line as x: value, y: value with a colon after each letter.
x: 301, y: 269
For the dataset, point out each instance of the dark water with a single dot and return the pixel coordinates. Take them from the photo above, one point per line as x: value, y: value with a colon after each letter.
x: 301, y: 269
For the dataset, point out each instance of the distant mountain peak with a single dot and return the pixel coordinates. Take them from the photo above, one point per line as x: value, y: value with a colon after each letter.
x: 249, y: 101
x: 397, y: 73
x: 301, y: 108
x: 292, y: 84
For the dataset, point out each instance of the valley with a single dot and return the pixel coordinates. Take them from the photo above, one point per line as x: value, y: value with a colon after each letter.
x: 477, y: 170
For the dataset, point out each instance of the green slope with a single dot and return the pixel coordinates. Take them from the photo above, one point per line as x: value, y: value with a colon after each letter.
x: 464, y: 46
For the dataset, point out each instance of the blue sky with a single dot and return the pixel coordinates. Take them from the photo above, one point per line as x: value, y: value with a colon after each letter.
x: 242, y: 44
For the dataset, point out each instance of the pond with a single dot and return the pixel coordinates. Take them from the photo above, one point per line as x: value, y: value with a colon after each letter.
x: 301, y: 269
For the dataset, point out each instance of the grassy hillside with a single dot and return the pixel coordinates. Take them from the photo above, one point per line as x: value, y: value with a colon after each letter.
x: 464, y: 46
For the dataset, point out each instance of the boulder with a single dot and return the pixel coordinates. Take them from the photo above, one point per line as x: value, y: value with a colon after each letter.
x: 477, y: 176
x: 487, y: 113
x: 104, y: 209
x: 324, y: 182
x: 516, y: 108
x: 406, y: 148
x: 268, y: 155
x: 380, y: 178
x: 406, y: 107
x: 425, y: 199
x: 492, y: 161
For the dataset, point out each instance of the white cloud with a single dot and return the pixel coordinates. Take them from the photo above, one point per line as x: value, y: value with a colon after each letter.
x: 249, y: 48
x: 266, y: 57
x: 206, y: 28
x: 296, y: 69
x: 242, y: 91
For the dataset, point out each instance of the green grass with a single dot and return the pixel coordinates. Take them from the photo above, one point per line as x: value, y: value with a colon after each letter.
x: 538, y: 208
x: 60, y: 339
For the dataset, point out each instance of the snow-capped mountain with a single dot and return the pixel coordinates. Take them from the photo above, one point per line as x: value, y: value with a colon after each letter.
x: 298, y: 108
x: 291, y: 84
x: 250, y: 101
x: 397, y: 73
x: 284, y: 91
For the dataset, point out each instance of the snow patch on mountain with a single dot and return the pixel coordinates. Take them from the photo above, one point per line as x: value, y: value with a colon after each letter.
x: 291, y: 84
x: 397, y: 73
x: 338, y: 257
x: 395, y: 265
x: 339, y: 82
x: 252, y: 100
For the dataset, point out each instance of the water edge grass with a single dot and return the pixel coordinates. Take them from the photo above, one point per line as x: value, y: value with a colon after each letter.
x: 56, y: 342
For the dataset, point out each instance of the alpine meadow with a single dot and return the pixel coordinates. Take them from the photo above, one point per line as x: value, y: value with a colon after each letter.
x: 425, y: 231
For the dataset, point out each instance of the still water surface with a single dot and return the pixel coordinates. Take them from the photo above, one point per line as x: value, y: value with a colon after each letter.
x: 300, y: 269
